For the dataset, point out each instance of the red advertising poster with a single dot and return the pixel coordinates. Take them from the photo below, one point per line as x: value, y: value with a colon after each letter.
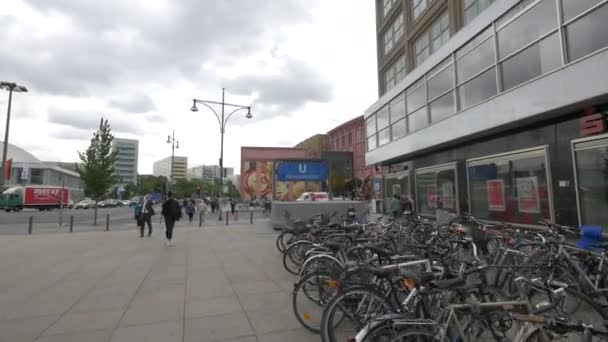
x: 496, y: 195
x: 39, y: 195
x: 527, y: 195
x: 447, y: 195
x: 431, y: 196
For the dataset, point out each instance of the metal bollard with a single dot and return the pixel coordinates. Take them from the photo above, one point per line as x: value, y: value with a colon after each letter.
x: 94, y: 216
x: 251, y: 217
x: 71, y: 223
x: 227, y: 218
x: 107, y: 222
x: 29, y: 225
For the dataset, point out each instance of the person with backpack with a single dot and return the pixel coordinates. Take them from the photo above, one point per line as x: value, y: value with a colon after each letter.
x: 147, y: 211
x: 190, y: 210
x: 172, y: 212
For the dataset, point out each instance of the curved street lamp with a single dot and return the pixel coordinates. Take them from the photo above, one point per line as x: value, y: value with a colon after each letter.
x: 10, y: 87
x: 222, y: 121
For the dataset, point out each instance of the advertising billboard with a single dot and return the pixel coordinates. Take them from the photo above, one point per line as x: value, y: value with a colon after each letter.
x: 44, y: 195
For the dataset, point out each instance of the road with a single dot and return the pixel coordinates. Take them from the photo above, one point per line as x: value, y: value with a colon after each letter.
x: 117, y: 215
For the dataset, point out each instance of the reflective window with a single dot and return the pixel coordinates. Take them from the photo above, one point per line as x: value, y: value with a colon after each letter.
x: 388, y: 4
x: 436, y: 190
x: 417, y: 120
x: 441, y: 82
x: 531, y: 25
x: 384, y: 136
x: 382, y: 118
x: 475, y: 61
x: 372, y: 142
x: 591, y: 160
x: 432, y: 39
x: 418, y: 6
x: 370, y: 125
x: 422, y: 48
x: 395, y: 73
x: 474, y: 42
x: 510, y: 188
x: 588, y: 34
x: 397, y: 108
x: 515, y: 10
x: 478, y: 89
x: 388, y: 40
x: 399, y: 129
x: 416, y: 98
x: 389, y: 78
x: 534, y: 61
x: 573, y: 8
x: 473, y: 7
x: 393, y: 33
x: 442, y: 107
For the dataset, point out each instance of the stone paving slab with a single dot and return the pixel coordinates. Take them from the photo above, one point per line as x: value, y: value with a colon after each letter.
x: 216, y: 283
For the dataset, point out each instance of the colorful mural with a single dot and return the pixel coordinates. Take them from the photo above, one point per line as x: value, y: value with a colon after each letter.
x: 291, y: 190
x: 256, y: 179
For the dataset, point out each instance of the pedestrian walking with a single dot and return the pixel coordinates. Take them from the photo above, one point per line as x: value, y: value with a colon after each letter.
x: 138, y: 214
x: 146, y: 215
x: 395, y: 206
x: 233, y: 207
x: 190, y: 211
x: 172, y: 212
x: 202, y: 210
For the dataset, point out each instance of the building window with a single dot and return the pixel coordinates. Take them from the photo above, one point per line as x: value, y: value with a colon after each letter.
x: 591, y: 165
x: 510, y: 188
x: 478, y: 89
x: 472, y: 8
x: 395, y: 73
x: 399, y: 129
x: 418, y: 6
x: 474, y: 58
x: 397, y: 108
x: 384, y: 136
x: 383, y: 118
x: 587, y: 34
x: 393, y: 33
x: 432, y: 39
x: 370, y: 125
x: 436, y: 190
x: 372, y: 142
x: 388, y: 5
x: 350, y: 139
x: 571, y: 9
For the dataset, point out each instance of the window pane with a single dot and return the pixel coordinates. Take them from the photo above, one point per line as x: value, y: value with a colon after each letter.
x: 417, y: 120
x: 573, y: 8
x: 397, y: 108
x: 588, y: 34
x: 398, y: 129
x: 537, y: 21
x: 478, y: 89
x: 476, y: 60
x: 442, y: 107
x: 474, y: 42
x: 510, y: 190
x: 592, y: 174
x: 370, y: 125
x: 416, y: 99
x: 536, y: 60
x: 384, y: 137
x: 371, y: 142
x: 436, y: 190
x: 441, y: 83
x: 382, y: 118
x: 388, y: 41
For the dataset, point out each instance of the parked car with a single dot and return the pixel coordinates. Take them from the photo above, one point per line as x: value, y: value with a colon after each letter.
x: 108, y: 203
x: 69, y: 204
x: 127, y: 203
x: 313, y: 197
x: 85, y: 204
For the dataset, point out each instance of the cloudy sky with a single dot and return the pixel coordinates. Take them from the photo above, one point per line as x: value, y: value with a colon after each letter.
x: 304, y: 65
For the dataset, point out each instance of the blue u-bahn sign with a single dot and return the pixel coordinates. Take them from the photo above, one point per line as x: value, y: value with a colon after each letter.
x: 302, y: 171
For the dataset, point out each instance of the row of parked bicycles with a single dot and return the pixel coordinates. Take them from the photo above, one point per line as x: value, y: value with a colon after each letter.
x: 411, y: 279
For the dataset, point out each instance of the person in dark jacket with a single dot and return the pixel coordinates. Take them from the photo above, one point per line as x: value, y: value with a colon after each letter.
x: 172, y: 212
x: 147, y: 211
x: 190, y: 209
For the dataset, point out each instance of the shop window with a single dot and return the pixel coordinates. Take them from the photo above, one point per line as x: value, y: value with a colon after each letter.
x: 534, y: 61
x: 398, y: 129
x: 372, y: 142
x: 396, y: 184
x: 417, y: 120
x: 591, y: 163
x: 478, y: 89
x: 397, y: 108
x: 571, y: 9
x: 382, y: 118
x: 384, y: 136
x: 510, y: 188
x: 536, y: 22
x: 472, y: 8
x: 436, y: 190
x: 442, y: 107
x: 588, y: 34
x: 476, y: 60
x: 370, y: 125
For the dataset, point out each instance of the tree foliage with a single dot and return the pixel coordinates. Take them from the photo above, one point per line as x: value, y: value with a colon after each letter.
x: 97, y: 167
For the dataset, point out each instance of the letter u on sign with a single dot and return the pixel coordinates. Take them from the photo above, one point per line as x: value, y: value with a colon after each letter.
x: 302, y: 168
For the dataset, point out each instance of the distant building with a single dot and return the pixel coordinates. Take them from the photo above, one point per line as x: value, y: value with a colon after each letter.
x: 316, y: 145
x: 125, y: 167
x: 209, y: 173
x: 26, y: 169
x: 66, y: 165
x: 163, y: 167
x: 349, y: 137
x: 236, y: 180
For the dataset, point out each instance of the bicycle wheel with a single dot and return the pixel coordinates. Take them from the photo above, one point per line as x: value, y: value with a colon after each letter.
x: 388, y: 332
x: 294, y: 256
x: 349, y: 311
x: 322, y: 262
x: 283, y: 240
x: 309, y: 298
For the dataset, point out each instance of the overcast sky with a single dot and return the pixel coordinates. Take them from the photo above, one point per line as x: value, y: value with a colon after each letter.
x: 305, y: 66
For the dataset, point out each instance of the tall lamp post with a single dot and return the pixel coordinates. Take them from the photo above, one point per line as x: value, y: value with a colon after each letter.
x: 10, y: 87
x: 222, y: 120
x: 174, y: 144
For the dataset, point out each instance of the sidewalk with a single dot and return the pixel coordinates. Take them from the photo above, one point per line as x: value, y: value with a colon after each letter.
x: 217, y: 283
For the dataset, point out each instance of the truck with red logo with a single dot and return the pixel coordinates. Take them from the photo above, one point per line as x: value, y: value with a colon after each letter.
x: 34, y: 196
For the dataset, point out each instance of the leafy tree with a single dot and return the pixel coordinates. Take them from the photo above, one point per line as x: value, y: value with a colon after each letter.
x: 149, y: 183
x: 233, y: 192
x: 97, y: 167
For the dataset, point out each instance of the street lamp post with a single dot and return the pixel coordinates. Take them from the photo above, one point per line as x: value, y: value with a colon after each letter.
x: 174, y: 144
x: 11, y: 87
x: 222, y: 120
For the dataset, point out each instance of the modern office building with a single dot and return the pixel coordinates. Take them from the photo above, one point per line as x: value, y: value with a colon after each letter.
x: 163, y: 167
x: 497, y: 108
x: 125, y: 167
x: 209, y: 173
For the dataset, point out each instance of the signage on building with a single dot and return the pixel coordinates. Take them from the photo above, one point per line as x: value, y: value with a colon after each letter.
x: 302, y: 171
x: 593, y: 123
x: 496, y: 195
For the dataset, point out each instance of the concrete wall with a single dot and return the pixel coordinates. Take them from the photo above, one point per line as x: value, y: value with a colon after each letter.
x: 305, y: 210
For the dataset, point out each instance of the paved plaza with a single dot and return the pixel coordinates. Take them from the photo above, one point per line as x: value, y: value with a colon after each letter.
x: 217, y: 283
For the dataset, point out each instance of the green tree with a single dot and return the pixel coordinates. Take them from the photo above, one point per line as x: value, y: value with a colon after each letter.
x: 98, y: 160
x: 149, y: 183
x: 233, y: 192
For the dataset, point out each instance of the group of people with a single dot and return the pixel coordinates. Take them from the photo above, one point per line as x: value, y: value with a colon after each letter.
x: 400, y: 205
